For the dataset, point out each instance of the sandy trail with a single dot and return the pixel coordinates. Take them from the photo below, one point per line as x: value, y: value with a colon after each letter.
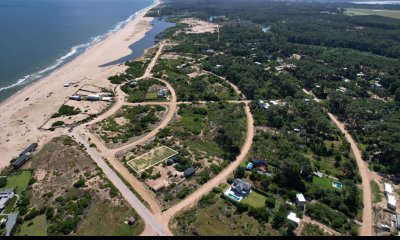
x: 366, y: 174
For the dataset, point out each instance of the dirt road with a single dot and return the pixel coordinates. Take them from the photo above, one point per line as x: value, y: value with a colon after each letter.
x: 366, y: 175
x: 207, y: 187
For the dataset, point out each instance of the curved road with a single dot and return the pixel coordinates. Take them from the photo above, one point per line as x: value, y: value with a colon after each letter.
x: 366, y: 227
x: 156, y: 222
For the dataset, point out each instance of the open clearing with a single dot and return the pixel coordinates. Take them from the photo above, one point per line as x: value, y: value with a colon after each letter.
x: 379, y: 12
x: 35, y: 227
x: 151, y: 158
x: 110, y: 222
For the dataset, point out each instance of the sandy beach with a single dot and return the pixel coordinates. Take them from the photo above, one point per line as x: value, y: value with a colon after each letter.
x: 20, y: 119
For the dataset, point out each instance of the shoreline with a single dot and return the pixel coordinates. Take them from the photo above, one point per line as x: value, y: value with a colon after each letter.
x: 20, y: 119
x: 27, y: 85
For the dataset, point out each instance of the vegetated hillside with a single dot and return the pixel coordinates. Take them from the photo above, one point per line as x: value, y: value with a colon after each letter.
x: 70, y: 194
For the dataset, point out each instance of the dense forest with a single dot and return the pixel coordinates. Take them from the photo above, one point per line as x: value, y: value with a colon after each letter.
x: 350, y: 62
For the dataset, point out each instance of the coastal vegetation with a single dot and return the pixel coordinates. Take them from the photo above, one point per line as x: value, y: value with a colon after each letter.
x: 207, y: 137
x: 63, y: 193
x: 128, y: 123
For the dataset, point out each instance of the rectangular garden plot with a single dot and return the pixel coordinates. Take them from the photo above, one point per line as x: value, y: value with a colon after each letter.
x: 151, y: 158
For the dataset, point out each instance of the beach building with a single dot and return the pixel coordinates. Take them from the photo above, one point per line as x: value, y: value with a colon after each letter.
x: 29, y: 149
x: 388, y: 189
x: 5, y: 196
x: 241, y: 187
x: 293, y: 217
x: 107, y: 99
x: 20, y: 161
x: 300, y: 200
x: 75, y: 97
x: 93, y: 97
x: 391, y: 202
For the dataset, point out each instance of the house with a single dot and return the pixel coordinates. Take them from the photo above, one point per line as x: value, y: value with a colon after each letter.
x: 210, y: 51
x: 20, y: 161
x: 241, y: 187
x: 5, y: 196
x: 391, y: 202
x: 293, y: 217
x: 398, y: 221
x: 388, y: 189
x: 29, y: 149
x: 94, y: 97
x: 162, y: 93
x: 11, y: 221
x: 158, y: 187
x: 376, y: 85
x: 189, y: 172
x: 300, y: 200
x: 131, y: 220
x: 133, y: 84
x: 218, y: 66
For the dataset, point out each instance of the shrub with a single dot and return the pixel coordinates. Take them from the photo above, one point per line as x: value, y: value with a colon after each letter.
x: 57, y: 124
x: 80, y: 183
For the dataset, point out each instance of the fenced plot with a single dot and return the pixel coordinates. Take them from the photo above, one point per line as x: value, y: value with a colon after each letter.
x: 151, y: 158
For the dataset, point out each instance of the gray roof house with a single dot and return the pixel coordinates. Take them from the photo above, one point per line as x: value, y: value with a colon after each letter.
x: 241, y: 187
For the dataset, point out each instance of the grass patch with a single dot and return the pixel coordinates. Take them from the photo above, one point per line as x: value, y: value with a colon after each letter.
x: 10, y: 205
x: 19, y: 181
x: 219, y: 219
x: 376, y: 192
x: 379, y: 12
x: 35, y: 227
x: 107, y: 220
x: 324, y: 182
x: 151, y: 158
x: 255, y: 200
x: 151, y: 96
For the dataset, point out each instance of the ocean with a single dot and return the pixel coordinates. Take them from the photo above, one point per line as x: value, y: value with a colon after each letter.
x: 39, y: 36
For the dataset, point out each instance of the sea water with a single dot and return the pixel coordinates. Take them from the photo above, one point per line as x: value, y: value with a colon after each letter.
x: 39, y: 36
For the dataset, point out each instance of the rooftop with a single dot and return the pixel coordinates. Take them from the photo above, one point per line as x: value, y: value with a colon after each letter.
x: 300, y: 197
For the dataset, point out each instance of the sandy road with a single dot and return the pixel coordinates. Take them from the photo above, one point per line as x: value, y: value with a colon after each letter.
x: 366, y: 175
x: 110, y: 154
x: 207, y: 187
x: 143, y: 212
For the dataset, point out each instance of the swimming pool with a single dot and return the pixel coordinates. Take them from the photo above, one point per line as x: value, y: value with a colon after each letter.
x: 337, y: 185
x: 233, y: 197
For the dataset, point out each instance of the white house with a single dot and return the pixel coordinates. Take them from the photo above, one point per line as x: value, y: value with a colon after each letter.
x: 300, y: 200
x: 391, y: 202
x: 293, y: 217
x: 388, y: 189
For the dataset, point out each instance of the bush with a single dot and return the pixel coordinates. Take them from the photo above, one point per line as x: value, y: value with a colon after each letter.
x: 80, y: 183
x: 183, y: 193
x: 260, y: 214
x: 3, y: 182
x: 57, y: 124
x: 270, y: 202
